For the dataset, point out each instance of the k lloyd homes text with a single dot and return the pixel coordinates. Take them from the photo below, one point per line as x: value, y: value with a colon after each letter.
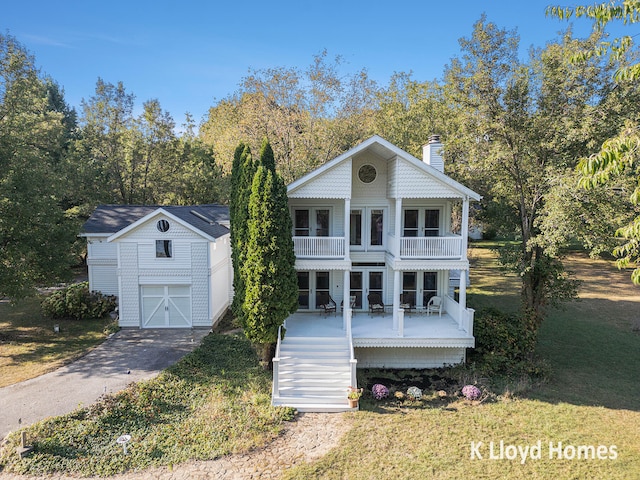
x: 539, y: 450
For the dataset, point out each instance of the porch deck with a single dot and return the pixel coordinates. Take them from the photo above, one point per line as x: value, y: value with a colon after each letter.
x: 378, y: 330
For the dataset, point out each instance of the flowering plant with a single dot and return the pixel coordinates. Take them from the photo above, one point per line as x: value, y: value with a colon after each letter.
x: 414, y: 393
x: 354, y: 393
x: 379, y: 391
x: 471, y: 392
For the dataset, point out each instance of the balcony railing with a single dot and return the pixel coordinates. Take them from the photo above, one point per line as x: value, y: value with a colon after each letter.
x: 319, y: 247
x: 431, y: 247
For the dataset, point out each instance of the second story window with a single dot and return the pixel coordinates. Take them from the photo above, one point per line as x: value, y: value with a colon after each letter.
x: 410, y: 223
x: 311, y: 222
x: 301, y: 227
x: 377, y: 227
x: 431, y: 223
x: 163, y: 249
x: 322, y: 223
x: 355, y: 227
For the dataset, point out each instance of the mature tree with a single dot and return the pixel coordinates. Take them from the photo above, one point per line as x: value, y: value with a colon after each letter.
x: 156, y: 152
x: 198, y: 178
x: 269, y: 268
x: 35, y: 127
x: 242, y: 181
x: 309, y: 117
x: 410, y: 111
x: 140, y: 159
x: 107, y: 121
x: 618, y: 158
x: 520, y: 126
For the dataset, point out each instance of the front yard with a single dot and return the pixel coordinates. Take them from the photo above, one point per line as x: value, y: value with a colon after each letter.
x: 29, y: 347
x: 584, y: 422
x: 592, y: 399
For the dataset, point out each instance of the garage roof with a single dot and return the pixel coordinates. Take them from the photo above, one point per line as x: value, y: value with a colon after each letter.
x: 213, y: 220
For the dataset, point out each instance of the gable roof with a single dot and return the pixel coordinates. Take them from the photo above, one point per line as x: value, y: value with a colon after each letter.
x: 107, y: 220
x: 385, y: 150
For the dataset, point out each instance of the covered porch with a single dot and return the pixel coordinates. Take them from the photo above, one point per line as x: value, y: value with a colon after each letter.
x: 385, y: 329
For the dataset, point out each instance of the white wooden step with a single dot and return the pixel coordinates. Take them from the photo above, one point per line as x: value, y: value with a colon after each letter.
x: 314, y: 374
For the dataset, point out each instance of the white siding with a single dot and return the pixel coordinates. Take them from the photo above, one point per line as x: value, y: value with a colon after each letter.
x: 104, y: 279
x: 102, y: 262
x: 334, y: 183
x: 100, y: 248
x: 148, y: 231
x: 411, y: 182
x: 129, y: 302
x: 374, y: 193
x: 181, y: 255
x: 410, y: 357
x: 221, y: 278
x: 200, y: 285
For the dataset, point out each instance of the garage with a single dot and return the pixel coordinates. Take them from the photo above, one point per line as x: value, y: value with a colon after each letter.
x: 167, y: 306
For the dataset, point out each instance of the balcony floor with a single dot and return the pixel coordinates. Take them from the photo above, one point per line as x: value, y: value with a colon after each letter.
x: 371, y: 330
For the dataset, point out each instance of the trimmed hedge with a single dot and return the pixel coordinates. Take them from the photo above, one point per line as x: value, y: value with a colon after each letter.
x: 77, y: 302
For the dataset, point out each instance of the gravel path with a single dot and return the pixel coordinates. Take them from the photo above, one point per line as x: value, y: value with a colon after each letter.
x: 309, y: 438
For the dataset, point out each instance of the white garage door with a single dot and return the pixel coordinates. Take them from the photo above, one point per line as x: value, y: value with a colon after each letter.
x: 166, y: 306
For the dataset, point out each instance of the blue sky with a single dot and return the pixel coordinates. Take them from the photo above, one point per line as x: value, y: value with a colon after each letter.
x: 189, y: 54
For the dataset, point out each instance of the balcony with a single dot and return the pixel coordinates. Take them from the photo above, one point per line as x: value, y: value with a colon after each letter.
x: 448, y: 247
x: 319, y: 247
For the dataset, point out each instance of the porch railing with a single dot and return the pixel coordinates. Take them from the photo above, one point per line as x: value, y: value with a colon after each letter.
x: 275, y: 389
x: 431, y: 247
x: 319, y: 247
x: 464, y: 318
x: 352, y: 359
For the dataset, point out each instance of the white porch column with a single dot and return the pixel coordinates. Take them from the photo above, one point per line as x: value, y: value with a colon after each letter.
x: 396, y: 298
x: 462, y: 299
x: 464, y: 231
x: 398, y: 227
x: 347, y: 231
x: 346, y: 305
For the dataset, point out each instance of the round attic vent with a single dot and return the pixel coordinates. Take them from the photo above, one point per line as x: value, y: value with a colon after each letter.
x: 162, y: 225
x: 367, y: 173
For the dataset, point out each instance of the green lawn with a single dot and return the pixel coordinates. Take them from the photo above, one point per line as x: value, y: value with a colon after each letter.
x: 216, y: 401
x: 591, y: 400
x: 29, y: 347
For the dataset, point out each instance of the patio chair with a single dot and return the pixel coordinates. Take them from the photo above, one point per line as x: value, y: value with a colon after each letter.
x: 434, y: 305
x: 352, y: 304
x: 407, y: 302
x: 328, y: 305
x: 375, y: 303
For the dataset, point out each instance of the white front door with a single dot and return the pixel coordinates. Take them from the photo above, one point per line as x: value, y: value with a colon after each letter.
x: 167, y: 306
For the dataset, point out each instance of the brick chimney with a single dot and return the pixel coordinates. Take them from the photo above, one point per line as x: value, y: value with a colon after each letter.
x: 431, y: 153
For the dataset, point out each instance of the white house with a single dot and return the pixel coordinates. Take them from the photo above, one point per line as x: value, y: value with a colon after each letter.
x: 374, y: 239
x: 169, y: 266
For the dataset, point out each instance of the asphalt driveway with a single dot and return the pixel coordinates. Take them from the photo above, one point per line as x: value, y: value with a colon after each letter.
x: 127, y: 356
